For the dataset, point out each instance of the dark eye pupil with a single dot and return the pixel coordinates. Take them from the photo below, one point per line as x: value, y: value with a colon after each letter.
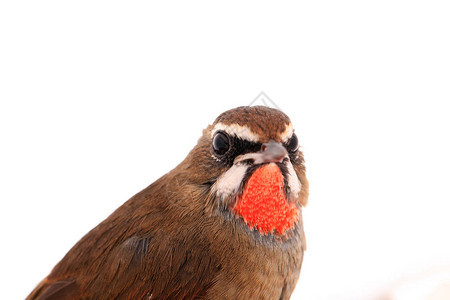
x: 221, y: 143
x: 293, y: 143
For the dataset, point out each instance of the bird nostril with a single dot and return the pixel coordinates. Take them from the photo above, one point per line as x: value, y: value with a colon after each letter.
x: 263, y: 147
x: 279, y: 158
x: 249, y: 161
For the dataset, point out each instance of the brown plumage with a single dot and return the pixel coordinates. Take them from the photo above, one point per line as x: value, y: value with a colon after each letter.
x: 180, y: 238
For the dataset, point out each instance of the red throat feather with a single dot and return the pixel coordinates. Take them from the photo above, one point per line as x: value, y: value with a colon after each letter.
x: 263, y: 204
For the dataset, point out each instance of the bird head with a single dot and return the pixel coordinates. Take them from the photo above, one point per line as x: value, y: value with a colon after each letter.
x: 250, y: 166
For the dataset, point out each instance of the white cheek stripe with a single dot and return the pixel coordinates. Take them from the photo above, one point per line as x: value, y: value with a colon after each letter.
x: 242, y: 132
x: 287, y: 133
x: 293, y: 181
x: 229, y: 182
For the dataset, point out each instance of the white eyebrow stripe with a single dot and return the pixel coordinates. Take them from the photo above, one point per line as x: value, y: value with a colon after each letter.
x: 287, y: 133
x: 242, y: 132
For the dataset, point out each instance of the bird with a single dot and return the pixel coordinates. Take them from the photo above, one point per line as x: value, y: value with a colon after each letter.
x: 226, y: 223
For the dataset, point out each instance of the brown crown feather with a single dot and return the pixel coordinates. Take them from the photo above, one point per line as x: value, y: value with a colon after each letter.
x: 268, y: 123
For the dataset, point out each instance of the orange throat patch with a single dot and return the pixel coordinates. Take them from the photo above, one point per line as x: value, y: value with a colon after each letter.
x: 263, y: 205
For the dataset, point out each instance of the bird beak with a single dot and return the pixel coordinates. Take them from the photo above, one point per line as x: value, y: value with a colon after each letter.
x: 271, y: 152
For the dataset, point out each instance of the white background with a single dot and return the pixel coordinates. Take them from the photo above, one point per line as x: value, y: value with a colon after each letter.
x: 101, y: 98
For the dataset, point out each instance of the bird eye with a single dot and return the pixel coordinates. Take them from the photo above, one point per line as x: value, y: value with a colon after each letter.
x: 293, y: 143
x: 221, y: 143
